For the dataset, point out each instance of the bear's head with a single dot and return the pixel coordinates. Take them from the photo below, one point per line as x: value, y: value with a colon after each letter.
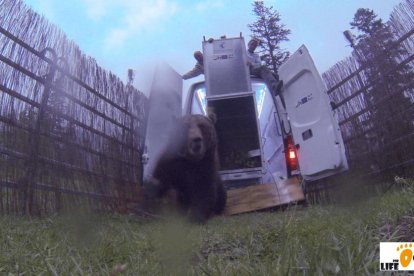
x: 195, y: 136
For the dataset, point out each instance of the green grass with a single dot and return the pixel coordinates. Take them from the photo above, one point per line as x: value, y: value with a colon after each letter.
x: 313, y: 240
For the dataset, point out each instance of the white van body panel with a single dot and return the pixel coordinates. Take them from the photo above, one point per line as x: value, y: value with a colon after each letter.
x: 165, y: 106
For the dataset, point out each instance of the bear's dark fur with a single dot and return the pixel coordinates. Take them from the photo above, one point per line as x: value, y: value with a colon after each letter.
x: 189, y: 165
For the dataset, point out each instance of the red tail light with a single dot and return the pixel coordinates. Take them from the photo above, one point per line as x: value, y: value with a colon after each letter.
x: 291, y: 155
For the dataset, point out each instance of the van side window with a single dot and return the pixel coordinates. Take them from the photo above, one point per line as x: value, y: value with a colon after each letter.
x: 198, y: 102
x: 260, y: 88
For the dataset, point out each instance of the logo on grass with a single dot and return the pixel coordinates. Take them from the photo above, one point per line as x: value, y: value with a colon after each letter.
x: 396, y: 256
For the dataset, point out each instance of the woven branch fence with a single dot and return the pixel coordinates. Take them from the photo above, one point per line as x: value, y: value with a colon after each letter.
x: 348, y: 88
x: 71, y: 133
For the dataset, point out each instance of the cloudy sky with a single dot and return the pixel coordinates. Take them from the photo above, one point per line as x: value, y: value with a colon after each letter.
x: 123, y: 34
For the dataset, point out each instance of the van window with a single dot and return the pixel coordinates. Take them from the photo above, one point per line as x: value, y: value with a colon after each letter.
x: 260, y: 88
x: 199, y: 103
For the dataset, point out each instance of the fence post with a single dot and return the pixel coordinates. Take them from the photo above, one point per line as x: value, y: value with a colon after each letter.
x: 60, y: 83
x: 27, y: 183
x: 130, y: 97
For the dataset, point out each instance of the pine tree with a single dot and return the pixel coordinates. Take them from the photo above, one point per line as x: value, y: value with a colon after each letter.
x: 380, y: 56
x: 271, y: 32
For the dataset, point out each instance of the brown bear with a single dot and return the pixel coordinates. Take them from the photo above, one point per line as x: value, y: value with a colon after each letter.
x: 189, y: 166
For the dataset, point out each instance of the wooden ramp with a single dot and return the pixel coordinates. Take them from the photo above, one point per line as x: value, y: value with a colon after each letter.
x: 263, y: 196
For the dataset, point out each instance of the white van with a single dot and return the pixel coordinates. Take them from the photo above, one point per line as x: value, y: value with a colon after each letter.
x: 267, y: 144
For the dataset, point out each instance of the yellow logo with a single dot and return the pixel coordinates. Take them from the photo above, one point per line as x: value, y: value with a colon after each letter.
x: 406, y: 254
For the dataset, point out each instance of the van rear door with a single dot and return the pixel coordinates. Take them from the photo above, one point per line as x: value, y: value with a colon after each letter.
x: 165, y: 105
x: 315, y: 130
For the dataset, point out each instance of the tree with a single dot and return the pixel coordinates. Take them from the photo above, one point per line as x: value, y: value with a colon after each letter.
x: 271, y: 32
x: 365, y: 21
x: 380, y: 56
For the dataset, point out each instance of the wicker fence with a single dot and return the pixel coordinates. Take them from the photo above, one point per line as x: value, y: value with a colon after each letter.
x: 368, y: 150
x: 70, y: 132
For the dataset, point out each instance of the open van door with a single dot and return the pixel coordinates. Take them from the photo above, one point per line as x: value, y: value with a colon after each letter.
x: 316, y: 132
x: 165, y: 104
